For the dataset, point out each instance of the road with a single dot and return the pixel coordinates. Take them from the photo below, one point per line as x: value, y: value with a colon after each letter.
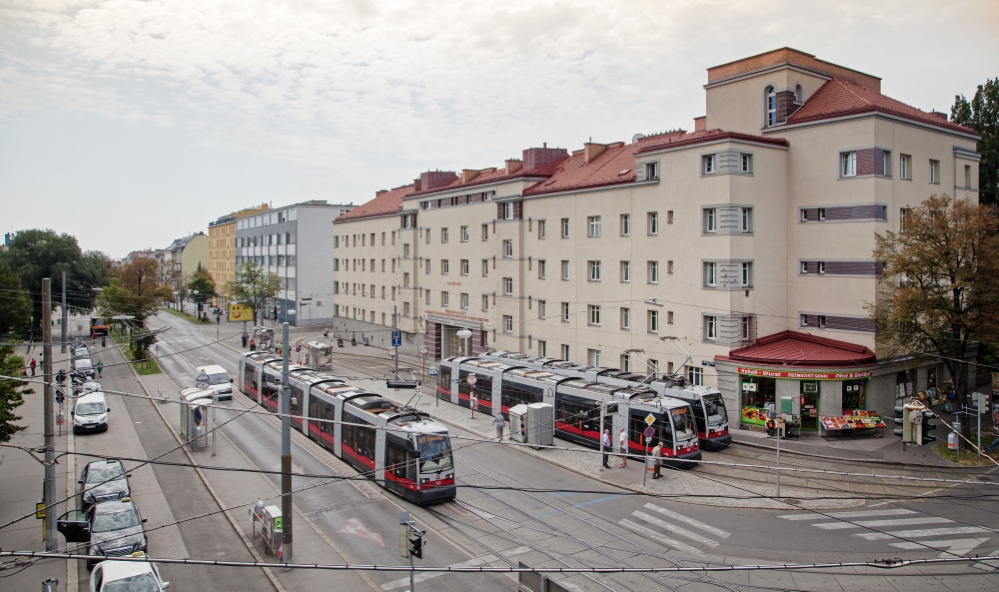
x: 609, y: 527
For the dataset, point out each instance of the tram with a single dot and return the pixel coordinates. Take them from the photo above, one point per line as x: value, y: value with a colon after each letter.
x: 399, y: 447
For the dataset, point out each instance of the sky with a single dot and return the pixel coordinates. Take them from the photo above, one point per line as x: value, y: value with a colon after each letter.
x: 129, y: 123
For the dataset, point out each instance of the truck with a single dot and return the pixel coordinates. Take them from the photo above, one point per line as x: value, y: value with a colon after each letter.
x: 98, y: 326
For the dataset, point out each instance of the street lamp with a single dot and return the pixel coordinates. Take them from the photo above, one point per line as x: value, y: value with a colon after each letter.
x: 467, y: 336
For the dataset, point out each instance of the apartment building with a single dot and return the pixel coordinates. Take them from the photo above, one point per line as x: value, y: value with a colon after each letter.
x: 746, y: 242
x: 180, y: 261
x: 294, y: 242
x: 222, y: 248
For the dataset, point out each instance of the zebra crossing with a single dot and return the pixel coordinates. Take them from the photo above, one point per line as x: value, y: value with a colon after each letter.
x: 896, y: 524
x: 667, y: 520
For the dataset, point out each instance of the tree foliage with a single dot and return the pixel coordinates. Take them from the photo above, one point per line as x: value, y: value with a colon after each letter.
x: 10, y: 394
x: 15, y: 303
x: 203, y: 285
x: 982, y: 115
x: 253, y: 286
x: 135, y: 289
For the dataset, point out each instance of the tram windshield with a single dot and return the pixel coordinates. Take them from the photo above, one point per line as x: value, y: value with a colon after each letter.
x: 684, y: 427
x: 714, y: 408
x: 435, y: 453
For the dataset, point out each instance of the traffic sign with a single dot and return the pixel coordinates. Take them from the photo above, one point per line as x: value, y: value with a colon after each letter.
x: 471, y: 380
x: 202, y: 381
x: 432, y: 371
x: 650, y: 419
x: 649, y: 432
x: 424, y: 350
x: 391, y: 352
x: 396, y: 338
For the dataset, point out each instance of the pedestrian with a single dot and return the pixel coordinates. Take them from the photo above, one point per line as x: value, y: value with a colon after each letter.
x: 104, y: 341
x: 473, y: 404
x: 244, y: 339
x: 353, y: 339
x: 622, y: 446
x: 93, y: 336
x: 33, y: 364
x: 253, y: 344
x: 99, y: 367
x: 657, y: 456
x: 500, y: 423
x: 606, y: 447
x: 326, y: 333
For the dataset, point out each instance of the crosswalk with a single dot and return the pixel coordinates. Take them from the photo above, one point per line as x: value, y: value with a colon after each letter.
x: 889, y: 525
x: 667, y: 521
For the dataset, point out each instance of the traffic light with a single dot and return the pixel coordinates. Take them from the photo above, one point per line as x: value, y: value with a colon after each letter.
x: 61, y: 376
x: 927, y: 426
x: 275, y: 313
x: 900, y: 421
x: 416, y: 546
x: 60, y: 397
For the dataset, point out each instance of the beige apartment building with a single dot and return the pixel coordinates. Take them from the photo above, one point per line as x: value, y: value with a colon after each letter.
x: 222, y: 248
x: 746, y: 242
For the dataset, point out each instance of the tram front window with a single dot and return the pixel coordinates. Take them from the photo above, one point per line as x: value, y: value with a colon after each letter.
x: 684, y: 427
x: 435, y: 453
x: 715, y: 408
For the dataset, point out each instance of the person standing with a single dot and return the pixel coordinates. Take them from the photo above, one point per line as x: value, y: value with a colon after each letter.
x: 33, y: 364
x: 606, y: 447
x: 104, y: 341
x: 253, y: 344
x: 622, y: 446
x: 500, y: 423
x: 353, y: 339
x: 657, y: 456
x: 473, y: 403
x: 99, y: 367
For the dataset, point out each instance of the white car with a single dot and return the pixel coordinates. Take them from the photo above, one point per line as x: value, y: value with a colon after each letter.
x: 126, y: 576
x: 90, y: 413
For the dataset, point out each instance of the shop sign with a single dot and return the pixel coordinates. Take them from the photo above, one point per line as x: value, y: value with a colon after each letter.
x: 847, y: 375
x: 456, y: 314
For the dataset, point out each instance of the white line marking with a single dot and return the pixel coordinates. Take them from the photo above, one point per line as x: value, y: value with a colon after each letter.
x: 901, y: 522
x: 671, y: 542
x: 955, y: 547
x: 426, y: 576
x: 915, y: 534
x: 516, y: 551
x: 846, y: 514
x: 676, y: 529
x: 690, y: 521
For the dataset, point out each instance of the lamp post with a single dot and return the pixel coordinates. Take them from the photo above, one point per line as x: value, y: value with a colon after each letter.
x: 467, y: 336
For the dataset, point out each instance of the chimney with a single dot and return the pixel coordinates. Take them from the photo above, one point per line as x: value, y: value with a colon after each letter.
x: 434, y: 179
x: 592, y: 150
x: 939, y: 115
x: 701, y: 123
x: 416, y: 185
x: 468, y: 174
x: 513, y: 165
x: 539, y: 158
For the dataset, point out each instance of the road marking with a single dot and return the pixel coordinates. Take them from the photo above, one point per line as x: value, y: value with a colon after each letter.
x: 423, y: 577
x: 676, y: 529
x: 671, y: 542
x: 900, y: 522
x: 845, y: 514
x: 926, y: 532
x: 955, y: 547
x: 690, y: 521
x: 516, y: 551
x: 355, y: 526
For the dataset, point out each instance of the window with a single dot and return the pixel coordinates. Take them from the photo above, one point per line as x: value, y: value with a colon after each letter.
x: 594, y: 270
x: 653, y: 222
x: 746, y: 163
x: 669, y: 216
x: 427, y: 268
x: 747, y: 274
x: 485, y: 302
x: 653, y: 272
x: 822, y: 321
x: 711, y: 274
x: 443, y: 235
x: 799, y: 94
x: 485, y: 268
x: 464, y: 301
x: 967, y: 176
x: 711, y: 328
x: 653, y: 321
x: 593, y: 311
x: 485, y: 232
x: 565, y: 352
x: 669, y: 317
x: 383, y: 292
x: 822, y: 267
x: 593, y: 226
x: 625, y: 224
x: 445, y: 299
x: 508, y: 248
x: 508, y: 286
x: 822, y: 214
x: 383, y: 238
x: 804, y: 267
x: 710, y: 164
x: 848, y: 164
x: 541, y: 269
x: 565, y: 269
x: 405, y: 250
x: 383, y: 266
x: 626, y: 271
x: 393, y: 237
x: 508, y: 211
x: 542, y: 348
x: 901, y: 219
x: 747, y: 219
x: 445, y: 267
x: 565, y: 312
x: 541, y: 229
x: 710, y: 220
x: 625, y: 318
x: 770, y: 106
x: 626, y: 362
x: 886, y: 163
x: 464, y: 267
x: 669, y: 266
x: 464, y: 234
x: 745, y: 328
x: 542, y: 309
x: 934, y: 171
x: 695, y: 375
x: 565, y: 228
x: 405, y: 279
x: 507, y: 324
x: 593, y: 357
x: 651, y: 170
x: 904, y: 166
x: 804, y: 320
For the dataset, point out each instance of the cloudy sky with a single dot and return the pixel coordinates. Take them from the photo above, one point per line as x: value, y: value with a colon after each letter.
x: 129, y: 123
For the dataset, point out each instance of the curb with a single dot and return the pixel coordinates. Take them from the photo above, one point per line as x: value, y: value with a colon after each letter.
x: 842, y: 459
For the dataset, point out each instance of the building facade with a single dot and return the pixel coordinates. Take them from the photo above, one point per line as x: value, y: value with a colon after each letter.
x: 222, y: 249
x: 747, y: 242
x: 180, y: 261
x: 296, y: 243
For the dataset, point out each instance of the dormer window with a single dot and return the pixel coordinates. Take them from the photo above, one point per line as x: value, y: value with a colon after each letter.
x: 799, y: 94
x: 771, y: 106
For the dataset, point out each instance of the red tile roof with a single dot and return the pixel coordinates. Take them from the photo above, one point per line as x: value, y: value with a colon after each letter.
x: 385, y: 202
x: 613, y: 166
x: 837, y: 98
x: 480, y: 179
x: 802, y: 351
x: 654, y: 144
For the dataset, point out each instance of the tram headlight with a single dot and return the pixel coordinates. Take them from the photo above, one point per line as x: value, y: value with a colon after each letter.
x: 424, y: 481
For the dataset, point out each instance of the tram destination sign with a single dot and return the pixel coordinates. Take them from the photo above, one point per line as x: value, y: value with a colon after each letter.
x: 847, y: 375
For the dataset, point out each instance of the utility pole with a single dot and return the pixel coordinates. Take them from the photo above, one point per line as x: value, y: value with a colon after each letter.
x: 65, y: 315
x: 395, y: 314
x: 286, y: 509
x: 51, y: 540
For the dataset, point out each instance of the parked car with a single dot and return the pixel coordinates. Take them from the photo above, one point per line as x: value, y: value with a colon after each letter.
x: 127, y: 576
x: 102, y: 481
x: 83, y: 367
x: 90, y: 413
x: 91, y: 386
x: 112, y: 529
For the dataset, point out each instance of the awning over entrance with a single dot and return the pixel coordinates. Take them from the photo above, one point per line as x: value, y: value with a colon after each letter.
x: 793, y: 350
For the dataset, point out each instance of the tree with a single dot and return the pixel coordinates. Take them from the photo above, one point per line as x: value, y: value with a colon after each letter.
x: 254, y: 286
x: 982, y: 115
x: 36, y: 254
x: 204, y: 286
x: 10, y: 393
x: 15, y: 303
x: 135, y: 289
x: 940, y: 292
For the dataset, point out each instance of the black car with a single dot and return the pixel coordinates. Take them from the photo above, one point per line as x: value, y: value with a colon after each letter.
x: 112, y: 529
x: 103, y: 481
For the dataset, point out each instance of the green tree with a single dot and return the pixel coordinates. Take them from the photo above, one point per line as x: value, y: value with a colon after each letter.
x: 10, y: 393
x: 203, y: 286
x: 36, y: 254
x: 135, y: 289
x: 982, y: 115
x: 15, y: 303
x: 253, y: 286
x: 940, y: 292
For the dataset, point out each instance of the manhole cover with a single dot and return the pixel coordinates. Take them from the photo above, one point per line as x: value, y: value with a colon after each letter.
x: 793, y: 501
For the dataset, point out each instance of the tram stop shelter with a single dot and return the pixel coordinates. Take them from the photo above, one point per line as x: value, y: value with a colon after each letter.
x: 194, y: 410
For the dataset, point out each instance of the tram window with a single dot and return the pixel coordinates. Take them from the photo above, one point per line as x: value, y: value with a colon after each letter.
x: 250, y: 376
x: 513, y: 394
x: 484, y: 389
x: 297, y: 397
x: 578, y: 415
x: 435, y: 453
x: 444, y: 379
x: 395, y: 457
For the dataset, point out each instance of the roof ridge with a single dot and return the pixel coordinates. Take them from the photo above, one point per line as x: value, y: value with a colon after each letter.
x: 846, y: 86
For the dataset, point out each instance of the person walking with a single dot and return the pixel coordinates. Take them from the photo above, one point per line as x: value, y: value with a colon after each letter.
x: 500, y: 423
x: 99, y: 367
x: 244, y: 339
x: 104, y: 341
x: 657, y: 455
x: 253, y: 344
x: 606, y: 447
x: 622, y: 447
x: 473, y: 404
x: 353, y: 339
x: 33, y: 364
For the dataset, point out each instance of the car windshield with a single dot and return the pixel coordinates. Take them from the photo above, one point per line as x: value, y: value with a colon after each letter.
x: 141, y: 583
x: 109, y: 521
x: 714, y: 408
x: 106, y: 473
x: 90, y: 408
x: 683, y: 424
x: 435, y: 453
x: 218, y: 379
